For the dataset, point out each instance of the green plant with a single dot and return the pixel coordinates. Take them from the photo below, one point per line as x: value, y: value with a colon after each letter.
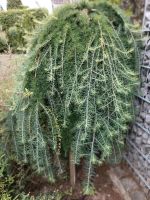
x: 76, y: 96
x: 21, y: 31
x: 8, y: 188
x: 52, y: 196
x: 11, y: 17
x: 20, y: 24
x: 5, y: 180
x: 3, y: 42
x: 19, y: 41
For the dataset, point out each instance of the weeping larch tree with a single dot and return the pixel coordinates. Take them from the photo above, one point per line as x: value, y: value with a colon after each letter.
x: 76, y: 98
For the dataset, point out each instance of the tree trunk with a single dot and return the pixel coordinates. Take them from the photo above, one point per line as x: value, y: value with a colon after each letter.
x: 72, y: 169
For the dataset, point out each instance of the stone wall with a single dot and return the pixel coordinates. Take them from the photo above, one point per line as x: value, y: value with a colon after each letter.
x: 138, y: 142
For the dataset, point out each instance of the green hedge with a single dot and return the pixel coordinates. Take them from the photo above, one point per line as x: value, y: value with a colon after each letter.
x: 9, y: 18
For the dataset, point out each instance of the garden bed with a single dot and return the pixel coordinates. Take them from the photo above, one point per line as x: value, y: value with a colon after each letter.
x: 104, y: 188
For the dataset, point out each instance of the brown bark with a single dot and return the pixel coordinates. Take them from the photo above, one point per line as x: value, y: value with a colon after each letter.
x: 72, y: 169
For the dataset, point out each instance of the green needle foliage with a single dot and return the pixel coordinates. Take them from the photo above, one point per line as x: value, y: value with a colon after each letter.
x: 77, y: 90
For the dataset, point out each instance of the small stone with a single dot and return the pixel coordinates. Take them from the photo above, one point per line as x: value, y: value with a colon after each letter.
x: 138, y: 119
x: 145, y: 85
x: 135, y: 156
x: 138, y: 140
x: 134, y: 128
x: 148, y: 173
x: 146, y: 106
x: 142, y: 115
x: 130, y: 156
x: 147, y: 119
x: 138, y: 195
x: 145, y: 136
x: 148, y: 141
x: 148, y: 96
x: 148, y: 77
x: 144, y: 141
x: 129, y: 184
x: 139, y: 131
x: 146, y: 149
x: 146, y: 126
x: 143, y: 78
x: 147, y: 25
x: 132, y: 136
x: 143, y: 92
x: 139, y: 165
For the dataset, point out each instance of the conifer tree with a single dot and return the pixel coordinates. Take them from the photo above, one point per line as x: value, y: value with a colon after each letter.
x: 76, y: 97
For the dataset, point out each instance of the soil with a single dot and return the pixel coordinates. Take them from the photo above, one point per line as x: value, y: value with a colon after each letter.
x: 104, y: 188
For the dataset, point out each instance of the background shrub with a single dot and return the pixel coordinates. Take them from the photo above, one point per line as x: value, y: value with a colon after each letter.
x: 19, y: 24
x: 11, y: 17
x: 3, y: 42
x: 16, y: 39
x: 13, y: 4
